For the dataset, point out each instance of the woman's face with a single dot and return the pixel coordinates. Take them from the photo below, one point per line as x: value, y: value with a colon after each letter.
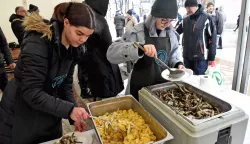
x: 76, y: 35
x: 162, y: 23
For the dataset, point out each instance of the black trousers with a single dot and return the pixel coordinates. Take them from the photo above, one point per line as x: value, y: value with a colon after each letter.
x: 3, y: 81
x: 119, y: 32
x: 83, y: 75
x: 220, y: 43
x: 199, y: 67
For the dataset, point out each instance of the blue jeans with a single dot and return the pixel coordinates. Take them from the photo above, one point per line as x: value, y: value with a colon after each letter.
x: 199, y: 67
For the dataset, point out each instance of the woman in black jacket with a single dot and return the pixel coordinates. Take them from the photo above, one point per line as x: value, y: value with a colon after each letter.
x: 40, y: 95
x: 104, y: 78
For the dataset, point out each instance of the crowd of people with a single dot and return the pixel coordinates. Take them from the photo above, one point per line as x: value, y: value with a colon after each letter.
x: 40, y: 94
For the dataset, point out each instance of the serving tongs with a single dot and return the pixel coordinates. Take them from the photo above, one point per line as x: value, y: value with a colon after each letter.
x: 105, y: 120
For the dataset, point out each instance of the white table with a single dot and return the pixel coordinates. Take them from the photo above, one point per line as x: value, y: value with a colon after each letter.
x: 87, y: 137
x: 240, y: 100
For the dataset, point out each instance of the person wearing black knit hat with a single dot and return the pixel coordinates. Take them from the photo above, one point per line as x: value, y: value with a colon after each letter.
x: 33, y: 8
x: 199, y: 38
x: 158, y: 38
x: 130, y: 21
x: 191, y: 5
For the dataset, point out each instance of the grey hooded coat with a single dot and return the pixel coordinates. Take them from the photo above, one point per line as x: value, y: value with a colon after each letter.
x: 123, y: 50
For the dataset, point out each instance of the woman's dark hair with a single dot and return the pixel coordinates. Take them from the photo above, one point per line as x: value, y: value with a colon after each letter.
x: 78, y: 14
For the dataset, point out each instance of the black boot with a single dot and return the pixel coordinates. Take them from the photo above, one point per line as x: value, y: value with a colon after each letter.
x: 86, y: 93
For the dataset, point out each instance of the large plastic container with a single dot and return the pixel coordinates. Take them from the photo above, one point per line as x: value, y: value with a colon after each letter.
x: 226, y: 128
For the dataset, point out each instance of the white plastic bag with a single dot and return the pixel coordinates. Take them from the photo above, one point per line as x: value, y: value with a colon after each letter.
x: 215, y: 74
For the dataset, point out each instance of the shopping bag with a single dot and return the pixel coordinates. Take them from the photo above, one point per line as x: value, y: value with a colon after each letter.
x: 215, y: 74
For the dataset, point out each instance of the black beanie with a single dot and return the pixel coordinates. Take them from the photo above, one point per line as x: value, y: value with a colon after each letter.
x: 129, y: 12
x: 165, y: 9
x: 209, y: 4
x: 32, y: 8
x: 191, y: 3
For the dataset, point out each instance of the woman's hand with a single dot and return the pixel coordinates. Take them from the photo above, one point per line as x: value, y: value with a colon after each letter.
x: 150, y: 50
x: 79, y: 125
x: 79, y: 114
x: 181, y: 67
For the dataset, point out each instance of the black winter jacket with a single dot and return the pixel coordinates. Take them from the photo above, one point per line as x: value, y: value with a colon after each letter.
x: 41, y: 93
x: 104, y: 78
x: 4, y: 52
x: 119, y: 21
x: 199, y: 36
x: 17, y: 27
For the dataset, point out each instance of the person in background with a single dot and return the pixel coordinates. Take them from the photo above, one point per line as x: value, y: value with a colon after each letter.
x: 144, y: 18
x: 83, y: 77
x: 35, y: 9
x: 218, y: 20
x: 119, y: 22
x: 16, y: 23
x: 237, y: 23
x: 130, y: 21
x: 158, y: 38
x: 221, y: 10
x: 135, y: 15
x: 40, y: 95
x: 179, y: 17
x: 5, y: 52
x: 199, y: 38
x: 104, y: 78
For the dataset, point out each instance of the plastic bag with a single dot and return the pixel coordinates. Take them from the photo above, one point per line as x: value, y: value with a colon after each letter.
x: 215, y: 74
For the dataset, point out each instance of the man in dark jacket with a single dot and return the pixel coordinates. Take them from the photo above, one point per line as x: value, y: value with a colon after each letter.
x: 104, y: 78
x: 119, y: 22
x: 218, y: 20
x: 17, y: 21
x: 199, y: 38
x: 5, y: 51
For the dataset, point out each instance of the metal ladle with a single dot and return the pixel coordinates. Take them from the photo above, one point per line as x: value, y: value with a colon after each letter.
x: 172, y: 73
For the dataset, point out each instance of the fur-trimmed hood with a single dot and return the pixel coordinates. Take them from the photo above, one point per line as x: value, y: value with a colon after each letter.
x: 35, y: 22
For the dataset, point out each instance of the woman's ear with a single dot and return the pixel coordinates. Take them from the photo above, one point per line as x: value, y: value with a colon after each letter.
x: 66, y: 22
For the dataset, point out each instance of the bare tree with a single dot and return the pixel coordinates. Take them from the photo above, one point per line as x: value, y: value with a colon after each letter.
x: 126, y: 5
x: 116, y: 5
x: 121, y: 5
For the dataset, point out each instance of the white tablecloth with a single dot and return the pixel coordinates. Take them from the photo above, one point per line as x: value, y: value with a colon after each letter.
x: 87, y: 137
x: 230, y: 96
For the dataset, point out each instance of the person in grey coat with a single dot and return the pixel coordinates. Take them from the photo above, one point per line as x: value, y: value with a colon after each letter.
x: 158, y: 38
x: 218, y: 20
x: 119, y: 22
